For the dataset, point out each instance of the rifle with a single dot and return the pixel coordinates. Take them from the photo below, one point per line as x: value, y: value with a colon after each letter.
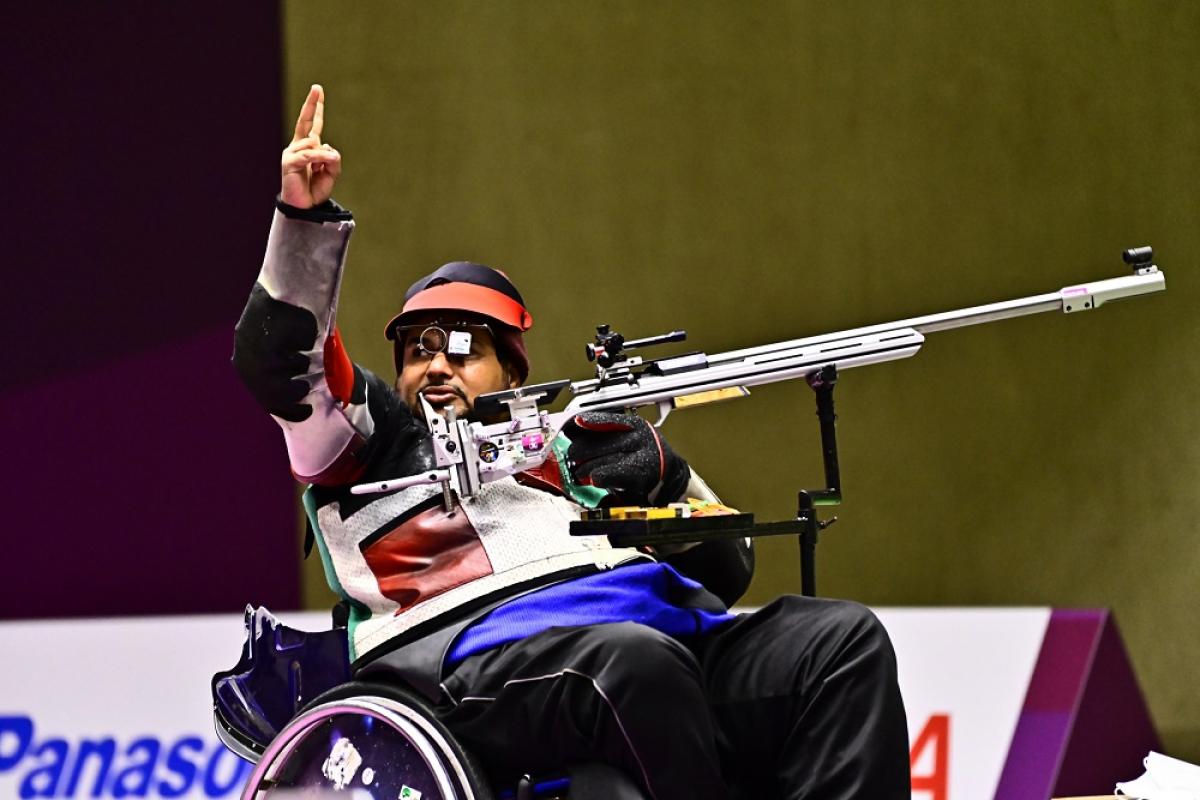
x: 470, y: 454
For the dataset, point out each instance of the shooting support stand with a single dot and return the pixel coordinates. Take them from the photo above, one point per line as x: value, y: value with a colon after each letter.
x: 806, y: 524
x: 822, y: 382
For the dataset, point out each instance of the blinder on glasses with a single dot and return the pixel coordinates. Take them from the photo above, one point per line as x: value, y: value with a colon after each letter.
x: 451, y: 338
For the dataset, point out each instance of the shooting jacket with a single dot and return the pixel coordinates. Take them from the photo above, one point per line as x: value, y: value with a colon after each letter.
x: 404, y: 564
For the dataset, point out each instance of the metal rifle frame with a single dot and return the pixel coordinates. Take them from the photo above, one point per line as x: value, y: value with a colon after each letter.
x: 470, y: 454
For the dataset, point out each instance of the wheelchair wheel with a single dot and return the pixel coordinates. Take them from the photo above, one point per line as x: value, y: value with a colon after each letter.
x: 364, y: 741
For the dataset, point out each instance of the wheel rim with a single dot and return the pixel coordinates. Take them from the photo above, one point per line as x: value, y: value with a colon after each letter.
x: 360, y: 742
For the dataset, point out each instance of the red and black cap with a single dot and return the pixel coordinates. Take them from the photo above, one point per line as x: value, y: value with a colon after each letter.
x: 475, y: 288
x: 465, y: 286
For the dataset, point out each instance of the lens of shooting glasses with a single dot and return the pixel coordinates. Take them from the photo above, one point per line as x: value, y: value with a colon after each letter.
x: 433, y: 339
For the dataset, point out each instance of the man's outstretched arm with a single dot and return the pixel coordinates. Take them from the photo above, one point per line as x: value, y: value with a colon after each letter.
x: 286, y: 346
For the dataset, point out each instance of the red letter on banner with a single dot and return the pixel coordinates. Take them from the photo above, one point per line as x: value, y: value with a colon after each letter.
x: 935, y: 734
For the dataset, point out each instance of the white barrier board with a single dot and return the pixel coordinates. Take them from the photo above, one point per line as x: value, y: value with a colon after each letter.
x: 963, y: 674
x: 121, y: 708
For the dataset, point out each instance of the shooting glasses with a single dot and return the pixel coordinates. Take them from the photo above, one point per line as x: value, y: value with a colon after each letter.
x: 451, y: 338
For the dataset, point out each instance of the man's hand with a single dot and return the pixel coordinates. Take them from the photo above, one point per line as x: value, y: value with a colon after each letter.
x: 309, y: 168
x: 624, y: 454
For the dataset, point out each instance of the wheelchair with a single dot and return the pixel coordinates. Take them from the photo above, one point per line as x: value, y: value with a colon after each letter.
x: 290, y: 707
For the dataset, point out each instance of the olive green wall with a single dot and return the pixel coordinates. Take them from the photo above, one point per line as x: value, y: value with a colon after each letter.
x: 755, y: 172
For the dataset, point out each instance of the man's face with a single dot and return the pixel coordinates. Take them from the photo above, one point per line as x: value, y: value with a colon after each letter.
x: 451, y: 377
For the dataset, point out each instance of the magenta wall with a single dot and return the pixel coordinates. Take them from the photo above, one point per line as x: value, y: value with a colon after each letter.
x: 139, y: 173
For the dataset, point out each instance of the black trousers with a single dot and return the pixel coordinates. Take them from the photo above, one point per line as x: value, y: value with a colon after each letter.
x: 797, y: 700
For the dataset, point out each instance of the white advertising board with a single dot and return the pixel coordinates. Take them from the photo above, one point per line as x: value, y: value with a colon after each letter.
x: 121, y: 708
x: 963, y: 674
x: 117, y: 708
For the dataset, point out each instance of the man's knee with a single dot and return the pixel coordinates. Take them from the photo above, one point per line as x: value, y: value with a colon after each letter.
x: 798, y: 640
x: 628, y: 651
x: 856, y: 620
x: 822, y: 617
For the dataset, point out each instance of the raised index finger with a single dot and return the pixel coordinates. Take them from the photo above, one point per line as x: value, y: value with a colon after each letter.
x: 312, y: 114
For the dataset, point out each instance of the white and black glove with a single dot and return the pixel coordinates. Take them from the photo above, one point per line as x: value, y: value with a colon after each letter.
x: 624, y: 454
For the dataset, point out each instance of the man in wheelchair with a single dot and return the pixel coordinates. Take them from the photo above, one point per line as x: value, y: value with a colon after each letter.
x: 533, y: 648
